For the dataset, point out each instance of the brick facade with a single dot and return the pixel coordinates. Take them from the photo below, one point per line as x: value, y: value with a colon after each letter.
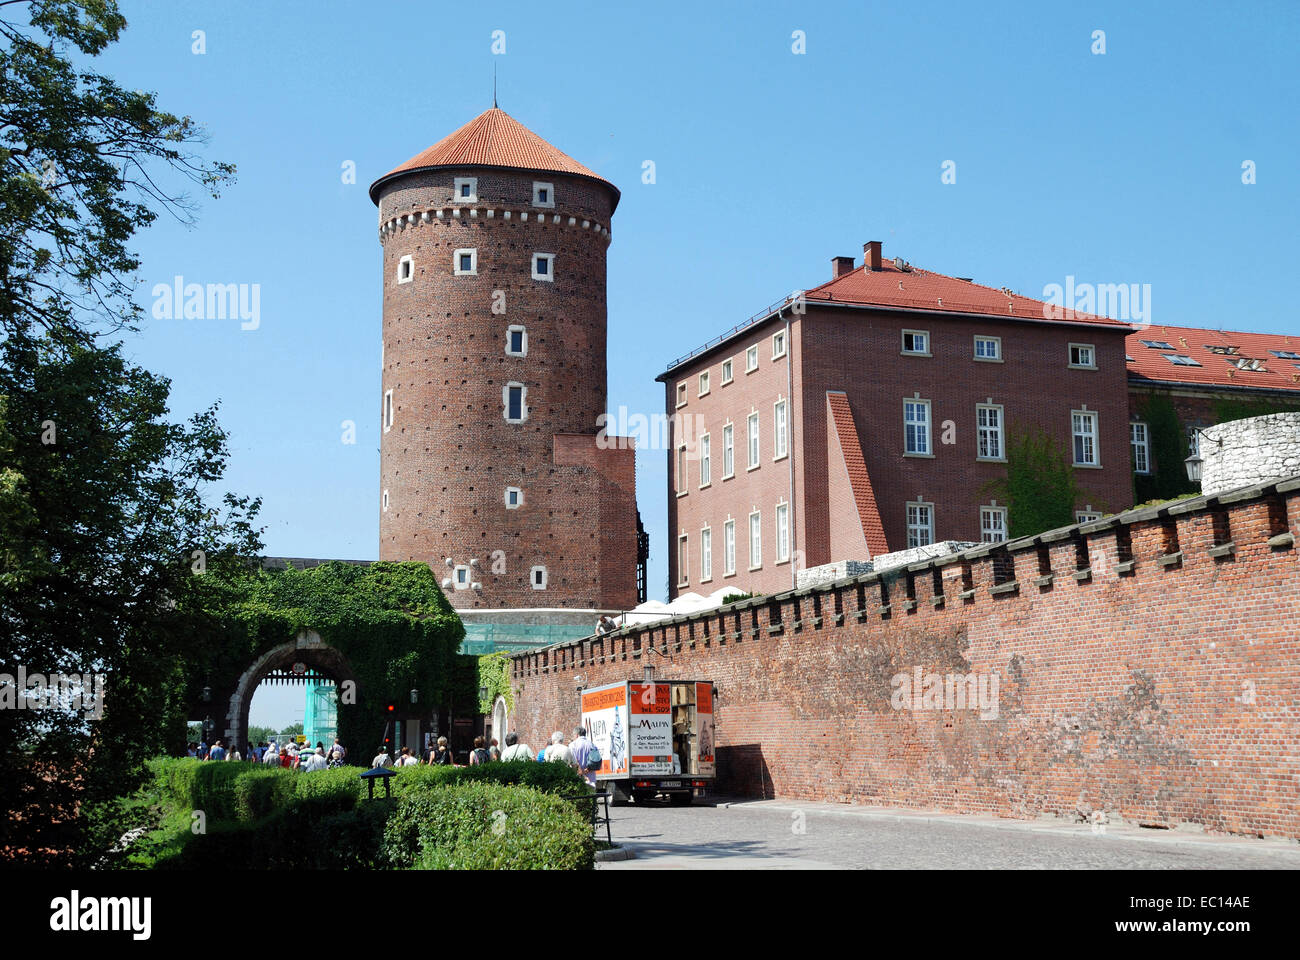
x: 1148, y: 665
x: 450, y: 453
x: 856, y: 355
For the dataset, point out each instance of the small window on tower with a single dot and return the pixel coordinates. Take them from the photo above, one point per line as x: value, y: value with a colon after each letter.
x: 543, y: 194
x: 514, y: 498
x: 516, y: 341
x: 405, y: 270
x: 543, y: 266
x: 461, y: 578
x: 466, y: 190
x: 388, y: 410
x: 515, y: 396
x: 539, y: 578
x: 465, y: 262
x: 384, y: 501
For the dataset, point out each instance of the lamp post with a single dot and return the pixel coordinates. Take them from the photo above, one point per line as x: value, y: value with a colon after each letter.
x: 1194, y: 463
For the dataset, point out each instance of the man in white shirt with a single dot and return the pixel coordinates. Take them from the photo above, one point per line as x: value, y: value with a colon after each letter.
x: 315, y: 761
x: 557, y: 752
x: 272, y: 756
x: 515, y: 750
x: 383, y: 760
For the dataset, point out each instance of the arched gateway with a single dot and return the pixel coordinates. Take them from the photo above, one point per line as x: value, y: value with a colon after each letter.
x: 306, y: 654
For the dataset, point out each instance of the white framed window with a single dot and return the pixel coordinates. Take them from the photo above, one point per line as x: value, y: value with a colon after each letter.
x: 460, y: 577
x: 1086, y: 516
x: 780, y: 430
x: 916, y: 343
x: 681, y: 469
x: 751, y: 434
x: 537, y: 577
x: 916, y: 428
x: 384, y: 501
x: 706, y: 554
x: 1083, y: 429
x: 778, y: 345
x: 988, y: 432
x: 465, y: 190
x: 465, y: 262
x: 751, y: 359
x: 755, y: 540
x: 704, y: 383
x: 514, y: 498
x: 729, y: 548
x: 782, y: 532
x: 544, y: 266
x: 543, y: 194
x: 727, y: 371
x: 405, y: 269
x: 988, y: 349
x: 516, y: 340
x: 728, y: 451
x: 389, y: 412
x: 706, y: 460
x: 993, y: 524
x: 515, y: 398
x: 1083, y: 356
x: 920, y: 523
x: 1139, y: 439
x: 681, y: 394
x: 683, y: 560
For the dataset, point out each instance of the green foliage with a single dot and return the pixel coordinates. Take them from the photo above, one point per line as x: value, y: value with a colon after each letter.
x: 736, y: 597
x: 1226, y: 410
x: 1168, y: 449
x: 1039, y: 489
x: 547, y: 777
x: 485, y: 826
x: 494, y: 674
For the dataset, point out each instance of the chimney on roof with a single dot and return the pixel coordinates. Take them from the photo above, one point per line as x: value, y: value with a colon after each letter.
x: 871, y: 255
x: 841, y: 266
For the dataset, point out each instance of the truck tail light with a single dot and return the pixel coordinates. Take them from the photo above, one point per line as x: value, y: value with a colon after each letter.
x: 698, y: 783
x: 644, y: 783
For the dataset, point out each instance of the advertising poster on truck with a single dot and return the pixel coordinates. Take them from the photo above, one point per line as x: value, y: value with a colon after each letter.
x: 604, y: 715
x: 650, y: 734
x: 704, y: 724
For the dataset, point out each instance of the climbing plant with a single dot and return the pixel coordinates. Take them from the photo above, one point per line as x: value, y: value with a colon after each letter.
x: 1039, y: 489
x: 494, y: 677
x: 1167, y: 439
x: 390, y: 620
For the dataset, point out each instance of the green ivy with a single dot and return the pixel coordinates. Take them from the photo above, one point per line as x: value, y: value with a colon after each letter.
x: 1039, y: 489
x: 494, y: 676
x: 1167, y: 438
x: 1226, y: 410
x: 390, y: 620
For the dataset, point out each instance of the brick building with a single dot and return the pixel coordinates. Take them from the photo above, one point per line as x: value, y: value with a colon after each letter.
x: 1183, y: 379
x: 871, y: 414
x: 494, y: 316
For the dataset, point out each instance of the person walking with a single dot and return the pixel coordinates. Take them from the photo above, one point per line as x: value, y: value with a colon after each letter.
x: 585, y: 755
x: 271, y: 756
x: 441, y: 754
x: 407, y: 758
x: 494, y: 752
x: 315, y: 761
x: 218, y: 752
x: 339, y: 748
x: 557, y: 752
x: 479, y: 754
x: 382, y: 759
x: 515, y: 750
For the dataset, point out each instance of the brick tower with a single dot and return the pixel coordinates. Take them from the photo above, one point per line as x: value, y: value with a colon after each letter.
x: 492, y: 466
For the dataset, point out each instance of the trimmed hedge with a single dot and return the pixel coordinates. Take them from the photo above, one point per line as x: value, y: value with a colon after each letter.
x: 487, y: 826
x: 244, y: 792
x: 546, y: 777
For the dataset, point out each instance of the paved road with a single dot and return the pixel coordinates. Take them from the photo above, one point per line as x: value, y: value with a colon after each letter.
x: 792, y: 835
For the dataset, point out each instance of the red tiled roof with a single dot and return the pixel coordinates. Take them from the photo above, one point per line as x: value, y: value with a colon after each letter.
x: 864, y: 495
x: 1150, y: 363
x: 494, y: 139
x: 918, y: 289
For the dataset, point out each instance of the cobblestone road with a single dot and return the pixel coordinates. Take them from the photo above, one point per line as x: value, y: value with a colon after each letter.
x: 764, y: 835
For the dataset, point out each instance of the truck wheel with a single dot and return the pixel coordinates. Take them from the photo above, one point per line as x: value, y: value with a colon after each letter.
x: 617, y: 795
x: 681, y: 799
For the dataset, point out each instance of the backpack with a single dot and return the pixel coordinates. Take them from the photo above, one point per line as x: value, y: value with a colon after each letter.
x: 593, y: 758
x: 482, y: 755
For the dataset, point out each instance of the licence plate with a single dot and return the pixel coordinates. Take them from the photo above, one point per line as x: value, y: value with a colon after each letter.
x: 670, y: 783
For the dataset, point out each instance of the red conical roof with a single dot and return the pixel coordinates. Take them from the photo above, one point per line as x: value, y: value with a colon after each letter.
x: 494, y: 139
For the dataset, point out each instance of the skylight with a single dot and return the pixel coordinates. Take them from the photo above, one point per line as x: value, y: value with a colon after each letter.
x: 1180, y: 360
x: 1246, y: 363
x: 1222, y: 351
x: 1285, y: 354
x: 1157, y: 344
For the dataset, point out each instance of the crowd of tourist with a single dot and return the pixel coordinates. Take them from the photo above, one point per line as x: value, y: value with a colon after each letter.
x: 291, y: 754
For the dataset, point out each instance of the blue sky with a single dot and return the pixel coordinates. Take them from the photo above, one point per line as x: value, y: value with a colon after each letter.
x: 1117, y: 168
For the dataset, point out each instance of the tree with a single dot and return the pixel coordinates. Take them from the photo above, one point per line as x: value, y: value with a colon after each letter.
x: 292, y: 730
x: 105, y: 518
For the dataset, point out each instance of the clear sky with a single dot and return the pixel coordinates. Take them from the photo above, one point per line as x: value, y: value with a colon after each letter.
x: 1122, y: 167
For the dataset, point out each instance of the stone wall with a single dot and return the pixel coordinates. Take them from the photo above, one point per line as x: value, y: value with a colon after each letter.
x: 1255, y: 450
x: 1147, y: 665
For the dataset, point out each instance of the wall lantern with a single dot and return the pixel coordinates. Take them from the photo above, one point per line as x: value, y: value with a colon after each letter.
x: 415, y: 695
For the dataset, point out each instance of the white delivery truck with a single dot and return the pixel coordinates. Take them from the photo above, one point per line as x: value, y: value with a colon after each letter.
x: 655, y: 737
